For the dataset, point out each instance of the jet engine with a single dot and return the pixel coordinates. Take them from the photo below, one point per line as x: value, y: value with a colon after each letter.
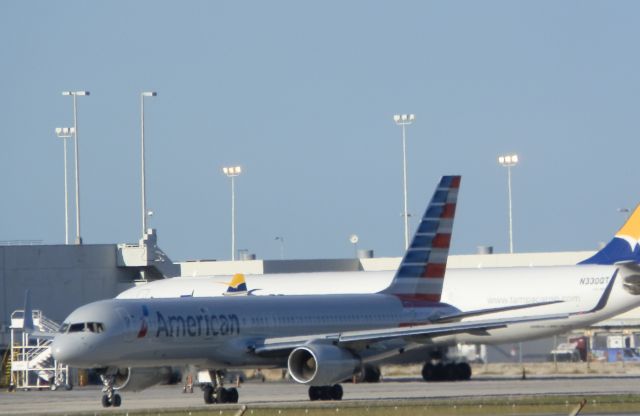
x: 630, y: 274
x: 322, y: 364
x: 631, y: 283
x: 136, y: 379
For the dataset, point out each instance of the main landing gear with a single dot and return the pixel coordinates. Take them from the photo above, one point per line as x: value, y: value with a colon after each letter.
x: 325, y: 392
x: 216, y: 393
x: 446, y: 372
x: 110, y: 397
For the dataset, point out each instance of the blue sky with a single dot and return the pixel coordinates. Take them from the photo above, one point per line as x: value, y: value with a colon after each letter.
x: 302, y: 94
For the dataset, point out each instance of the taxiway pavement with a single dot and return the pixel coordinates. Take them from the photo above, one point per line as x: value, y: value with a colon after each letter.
x: 87, y: 399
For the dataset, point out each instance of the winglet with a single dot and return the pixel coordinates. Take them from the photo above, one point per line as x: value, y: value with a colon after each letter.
x: 420, y: 276
x: 624, y: 245
x: 27, y: 325
x: 602, y: 302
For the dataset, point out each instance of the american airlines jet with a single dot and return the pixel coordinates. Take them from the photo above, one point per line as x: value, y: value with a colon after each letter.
x: 320, y: 339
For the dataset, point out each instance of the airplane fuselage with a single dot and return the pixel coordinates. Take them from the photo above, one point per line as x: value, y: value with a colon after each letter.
x: 220, y: 332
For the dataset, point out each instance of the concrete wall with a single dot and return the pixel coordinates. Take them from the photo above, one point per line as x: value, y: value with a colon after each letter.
x: 59, y: 277
x: 225, y: 268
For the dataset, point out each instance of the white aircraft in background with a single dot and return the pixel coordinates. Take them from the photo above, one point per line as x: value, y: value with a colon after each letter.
x: 579, y: 287
x: 320, y: 339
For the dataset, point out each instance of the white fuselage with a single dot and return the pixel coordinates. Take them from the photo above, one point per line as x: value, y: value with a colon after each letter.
x: 579, y: 287
x: 220, y: 332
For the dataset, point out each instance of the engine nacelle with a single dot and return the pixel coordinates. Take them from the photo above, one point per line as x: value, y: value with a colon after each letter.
x: 631, y: 283
x: 321, y: 364
x: 136, y: 379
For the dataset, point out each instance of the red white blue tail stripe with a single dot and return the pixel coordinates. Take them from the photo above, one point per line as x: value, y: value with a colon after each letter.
x: 420, y: 276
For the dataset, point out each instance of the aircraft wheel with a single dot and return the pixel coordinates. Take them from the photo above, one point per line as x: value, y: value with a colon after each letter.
x: 222, y: 395
x: 68, y: 387
x: 117, y: 400
x: 208, y: 395
x: 233, y: 395
x: 373, y: 374
x: 325, y: 392
x: 464, y: 370
x: 428, y: 371
x: 450, y: 372
x: 314, y: 393
x: 335, y: 392
x: 105, y: 401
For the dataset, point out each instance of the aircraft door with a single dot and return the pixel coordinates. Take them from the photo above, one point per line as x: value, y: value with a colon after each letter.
x: 127, y: 322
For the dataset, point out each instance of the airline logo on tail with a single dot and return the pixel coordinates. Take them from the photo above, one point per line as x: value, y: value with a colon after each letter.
x: 238, y: 286
x: 420, y: 276
x: 624, y: 247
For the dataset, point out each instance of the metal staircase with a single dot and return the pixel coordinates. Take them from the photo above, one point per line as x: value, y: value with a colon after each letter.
x: 32, y: 364
x: 5, y: 376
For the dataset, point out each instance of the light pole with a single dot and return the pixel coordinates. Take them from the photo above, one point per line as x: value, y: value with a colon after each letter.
x: 144, y: 182
x: 65, y: 133
x: 509, y: 161
x: 75, y: 94
x: 353, y: 239
x: 404, y: 120
x: 281, y: 239
x: 232, y: 172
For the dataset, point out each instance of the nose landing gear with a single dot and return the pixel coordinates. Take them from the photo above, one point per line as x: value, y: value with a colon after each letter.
x: 110, y: 397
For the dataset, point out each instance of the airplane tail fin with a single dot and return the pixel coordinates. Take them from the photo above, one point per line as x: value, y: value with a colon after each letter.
x: 237, y: 285
x: 27, y: 323
x: 420, y: 276
x: 624, y: 245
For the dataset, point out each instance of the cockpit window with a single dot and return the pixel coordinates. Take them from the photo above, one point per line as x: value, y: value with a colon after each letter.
x: 76, y: 327
x: 63, y: 329
x: 96, y: 327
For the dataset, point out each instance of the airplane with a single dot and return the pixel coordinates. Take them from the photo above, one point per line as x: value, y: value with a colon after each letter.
x: 320, y: 339
x: 578, y: 286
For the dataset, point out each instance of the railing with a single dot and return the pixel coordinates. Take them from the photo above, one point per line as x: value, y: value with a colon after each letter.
x: 47, y: 325
x: 43, y: 323
x: 32, y: 364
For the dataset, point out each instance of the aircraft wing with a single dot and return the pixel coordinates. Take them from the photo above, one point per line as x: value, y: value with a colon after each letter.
x: 415, y: 333
x: 479, y: 312
x: 418, y: 333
